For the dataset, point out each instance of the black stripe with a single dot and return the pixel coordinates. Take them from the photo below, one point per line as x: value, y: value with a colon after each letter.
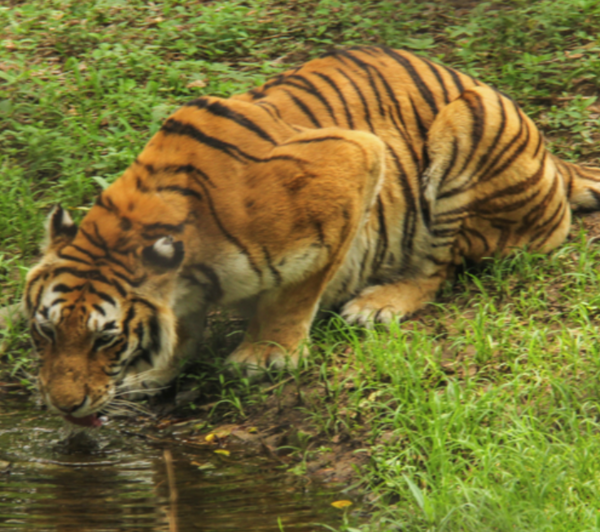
x: 448, y: 170
x: 382, y: 241
x: 310, y: 88
x: 555, y: 226
x: 130, y: 315
x: 274, y: 270
x: 333, y: 85
x: 366, y: 67
x: 529, y: 220
x: 99, y: 309
x: 539, y: 144
x: 216, y: 108
x: 513, y: 156
x: 38, y: 298
x: 141, y: 186
x: 455, y: 78
x: 373, y: 51
x: 304, y: 108
x: 91, y: 275
x: 484, y: 158
x: 420, y: 125
x: 85, y: 251
x: 487, y: 175
x: 226, y: 233
x: 189, y: 169
x: 183, y: 191
x: 510, y: 207
x: 410, y: 202
x: 175, y: 127
x: 269, y: 108
x: 154, y: 327
x: 478, y: 235
x: 131, y: 282
x: 477, y: 130
x: 65, y: 256
x: 418, y: 81
x: 102, y: 295
x: 30, y: 286
x: 362, y: 99
x: 164, y: 228
x: 64, y: 289
x: 434, y: 69
x: 99, y: 242
x: 139, y: 332
x: 317, y: 139
x: 363, y: 265
x: 402, y: 131
x: 444, y: 243
x: 496, y: 142
x: 571, y: 177
x: 477, y: 110
x: 119, y: 288
x: 320, y: 235
x: 435, y: 260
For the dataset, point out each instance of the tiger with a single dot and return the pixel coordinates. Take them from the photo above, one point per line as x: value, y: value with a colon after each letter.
x: 356, y: 182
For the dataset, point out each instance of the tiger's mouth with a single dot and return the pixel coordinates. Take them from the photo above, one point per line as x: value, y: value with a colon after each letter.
x: 89, y: 421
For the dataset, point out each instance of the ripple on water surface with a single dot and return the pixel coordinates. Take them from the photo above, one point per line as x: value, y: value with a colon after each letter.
x: 115, y: 482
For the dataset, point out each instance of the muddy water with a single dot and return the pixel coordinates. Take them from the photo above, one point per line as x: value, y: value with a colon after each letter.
x: 114, y: 481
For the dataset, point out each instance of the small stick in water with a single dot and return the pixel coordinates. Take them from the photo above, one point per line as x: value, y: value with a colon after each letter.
x: 172, y: 515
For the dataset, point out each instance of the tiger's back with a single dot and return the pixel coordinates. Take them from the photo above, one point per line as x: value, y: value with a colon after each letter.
x: 360, y: 178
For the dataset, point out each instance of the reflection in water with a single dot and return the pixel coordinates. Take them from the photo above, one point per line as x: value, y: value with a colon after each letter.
x: 114, y: 483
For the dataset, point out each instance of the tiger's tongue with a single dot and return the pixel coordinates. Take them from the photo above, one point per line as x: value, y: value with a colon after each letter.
x: 86, y: 421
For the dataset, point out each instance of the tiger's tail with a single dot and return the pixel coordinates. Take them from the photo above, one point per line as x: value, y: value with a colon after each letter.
x: 582, y: 184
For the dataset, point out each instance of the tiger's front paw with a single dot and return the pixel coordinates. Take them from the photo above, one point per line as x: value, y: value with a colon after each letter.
x: 255, y: 358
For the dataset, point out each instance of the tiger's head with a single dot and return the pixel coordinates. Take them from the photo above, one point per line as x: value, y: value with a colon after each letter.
x: 99, y: 314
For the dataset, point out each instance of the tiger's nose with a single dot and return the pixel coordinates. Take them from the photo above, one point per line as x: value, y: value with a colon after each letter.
x: 67, y: 409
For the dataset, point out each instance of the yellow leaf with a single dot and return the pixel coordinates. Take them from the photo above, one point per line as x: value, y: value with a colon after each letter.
x: 341, y: 504
x: 222, y: 451
x: 210, y: 437
x: 252, y: 430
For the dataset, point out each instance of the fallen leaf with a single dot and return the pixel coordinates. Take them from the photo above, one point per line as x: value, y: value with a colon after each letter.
x: 341, y: 504
x: 222, y: 451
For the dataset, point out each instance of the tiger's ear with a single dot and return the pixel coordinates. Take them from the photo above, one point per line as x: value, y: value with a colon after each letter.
x: 60, y: 229
x: 164, y: 254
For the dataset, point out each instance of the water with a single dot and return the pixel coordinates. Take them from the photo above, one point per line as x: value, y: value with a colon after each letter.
x: 114, y: 481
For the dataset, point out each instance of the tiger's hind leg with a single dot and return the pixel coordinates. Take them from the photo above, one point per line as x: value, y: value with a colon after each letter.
x: 490, y: 187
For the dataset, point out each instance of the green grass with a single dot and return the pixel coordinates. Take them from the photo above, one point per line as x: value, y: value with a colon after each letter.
x: 480, y: 415
x: 492, y: 422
